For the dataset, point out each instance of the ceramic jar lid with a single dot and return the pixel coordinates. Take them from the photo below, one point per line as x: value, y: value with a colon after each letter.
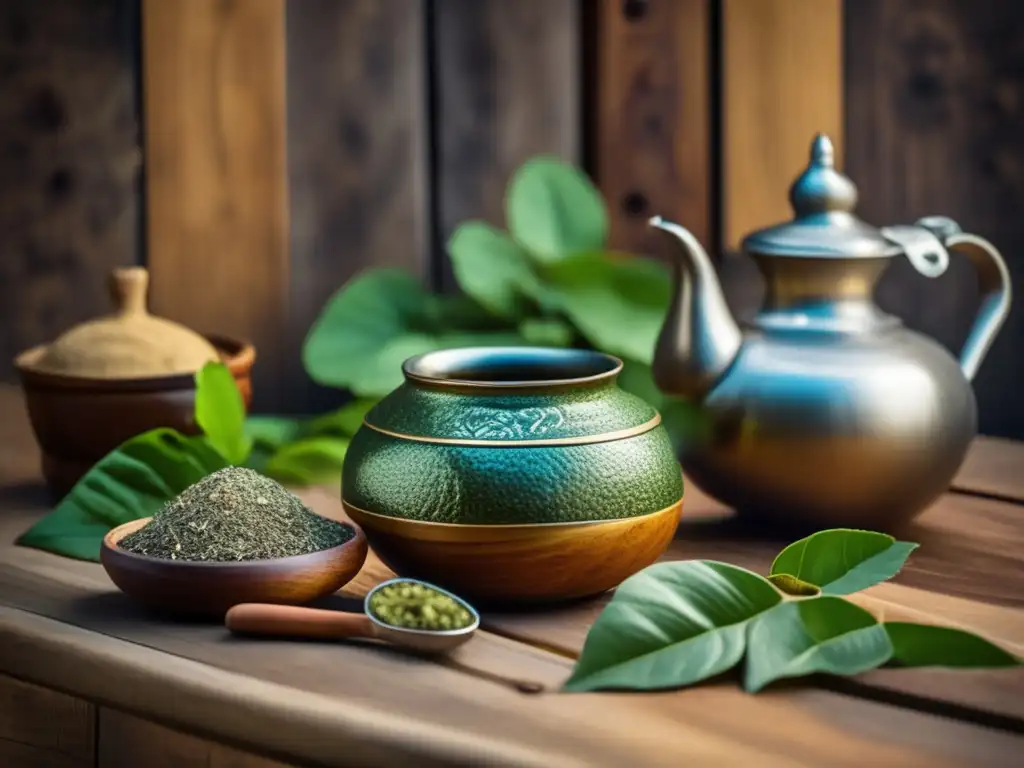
x: 128, y: 344
x: 824, y: 225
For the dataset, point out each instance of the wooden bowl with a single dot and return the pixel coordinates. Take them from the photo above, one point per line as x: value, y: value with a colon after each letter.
x: 209, y: 589
x: 77, y: 421
x: 517, y: 564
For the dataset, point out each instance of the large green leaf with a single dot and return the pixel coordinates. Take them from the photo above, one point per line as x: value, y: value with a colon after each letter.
x: 305, y: 451
x: 220, y: 412
x: 345, y: 421
x: 924, y: 645
x: 308, y: 461
x: 493, y: 269
x: 132, y: 481
x: 842, y: 561
x: 617, y: 304
x: 671, y: 625
x: 821, y: 634
x: 546, y: 332
x: 271, y: 432
x: 554, y: 210
x: 381, y: 318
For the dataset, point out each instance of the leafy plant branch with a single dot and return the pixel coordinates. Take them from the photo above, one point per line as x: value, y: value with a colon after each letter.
x: 676, y: 624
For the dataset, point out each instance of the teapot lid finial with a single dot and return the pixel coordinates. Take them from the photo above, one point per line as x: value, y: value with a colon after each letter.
x: 821, y: 188
x: 823, y: 200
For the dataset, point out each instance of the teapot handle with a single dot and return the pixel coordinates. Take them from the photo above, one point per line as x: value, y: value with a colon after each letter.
x: 993, y: 277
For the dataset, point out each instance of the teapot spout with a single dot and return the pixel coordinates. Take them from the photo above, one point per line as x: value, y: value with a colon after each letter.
x: 699, y: 338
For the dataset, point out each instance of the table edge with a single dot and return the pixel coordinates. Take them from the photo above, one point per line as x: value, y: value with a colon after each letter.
x: 235, y: 709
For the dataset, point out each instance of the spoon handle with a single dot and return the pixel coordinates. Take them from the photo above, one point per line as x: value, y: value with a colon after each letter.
x: 295, y: 621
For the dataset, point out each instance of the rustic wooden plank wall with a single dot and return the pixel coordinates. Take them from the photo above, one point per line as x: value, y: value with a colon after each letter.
x: 506, y: 86
x: 652, y: 146
x: 935, y: 101
x: 291, y: 143
x: 69, y: 163
x: 782, y: 82
x: 217, y: 209
x: 357, y: 157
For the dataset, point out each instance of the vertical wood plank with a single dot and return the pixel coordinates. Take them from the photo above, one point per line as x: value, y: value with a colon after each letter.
x: 216, y: 187
x: 782, y: 82
x: 935, y: 106
x: 507, y: 88
x: 357, y: 147
x: 652, y: 106
x: 40, y: 728
x: 69, y: 163
x: 126, y: 741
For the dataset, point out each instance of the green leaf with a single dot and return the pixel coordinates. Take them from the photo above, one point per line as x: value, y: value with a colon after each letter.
x: 924, y: 645
x: 670, y: 625
x: 343, y: 422
x: 546, y: 332
x: 617, y: 304
x: 842, y: 561
x: 271, y: 432
x: 220, y: 412
x: 381, y: 318
x: 130, y: 482
x: 793, y: 586
x: 823, y: 634
x: 554, y: 210
x: 492, y: 268
x: 309, y: 461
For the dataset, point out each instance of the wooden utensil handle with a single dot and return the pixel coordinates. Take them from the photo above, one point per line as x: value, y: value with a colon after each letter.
x: 295, y: 621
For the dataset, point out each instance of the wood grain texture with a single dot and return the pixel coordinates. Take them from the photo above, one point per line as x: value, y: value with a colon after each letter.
x: 40, y: 728
x: 934, y: 105
x: 182, y: 588
x: 69, y: 164
x: 968, y: 572
x: 993, y: 467
x: 652, y: 95
x: 507, y: 88
x: 326, y: 703
x: 130, y: 742
x: 357, y: 155
x: 521, y: 564
x: 217, y: 214
x: 782, y: 81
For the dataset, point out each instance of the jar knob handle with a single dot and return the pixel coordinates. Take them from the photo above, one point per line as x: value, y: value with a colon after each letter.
x: 128, y: 287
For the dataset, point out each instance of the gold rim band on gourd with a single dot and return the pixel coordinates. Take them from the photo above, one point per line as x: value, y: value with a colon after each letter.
x: 423, y: 530
x: 605, y: 437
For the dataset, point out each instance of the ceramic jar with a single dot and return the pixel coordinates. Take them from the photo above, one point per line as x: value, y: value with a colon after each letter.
x: 514, y: 473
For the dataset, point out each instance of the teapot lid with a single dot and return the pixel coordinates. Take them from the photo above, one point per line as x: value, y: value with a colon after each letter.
x: 824, y: 225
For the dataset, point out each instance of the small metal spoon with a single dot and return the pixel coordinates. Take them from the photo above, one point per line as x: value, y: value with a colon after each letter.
x: 296, y: 621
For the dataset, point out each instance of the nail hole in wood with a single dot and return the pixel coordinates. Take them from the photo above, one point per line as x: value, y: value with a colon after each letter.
x: 634, y: 204
x: 634, y: 10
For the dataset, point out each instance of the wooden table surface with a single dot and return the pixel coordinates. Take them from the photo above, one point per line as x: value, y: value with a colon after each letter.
x: 495, y: 701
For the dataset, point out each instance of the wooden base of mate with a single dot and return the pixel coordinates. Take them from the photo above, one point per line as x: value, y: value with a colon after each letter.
x: 521, y: 564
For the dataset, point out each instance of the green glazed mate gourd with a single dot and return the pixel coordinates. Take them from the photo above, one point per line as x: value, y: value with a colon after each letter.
x: 526, y: 459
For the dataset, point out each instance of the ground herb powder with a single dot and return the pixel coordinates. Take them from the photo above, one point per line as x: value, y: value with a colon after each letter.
x: 415, y: 606
x: 235, y: 514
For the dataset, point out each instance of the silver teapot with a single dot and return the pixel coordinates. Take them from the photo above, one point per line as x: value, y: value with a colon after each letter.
x: 824, y: 410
